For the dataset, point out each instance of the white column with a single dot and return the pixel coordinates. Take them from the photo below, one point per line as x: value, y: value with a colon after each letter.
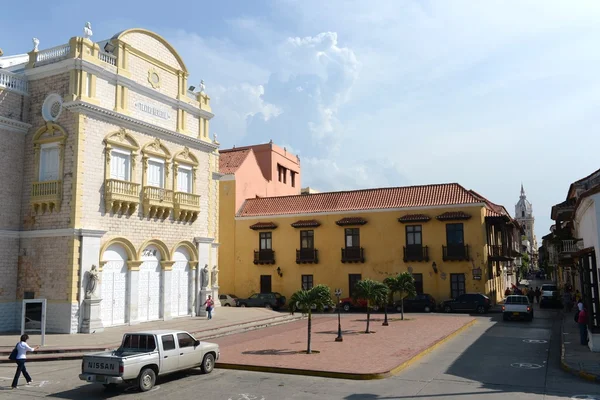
x: 133, y: 277
x: 166, y: 288
x: 89, y: 255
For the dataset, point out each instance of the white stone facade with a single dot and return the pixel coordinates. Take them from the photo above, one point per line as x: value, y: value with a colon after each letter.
x: 55, y: 226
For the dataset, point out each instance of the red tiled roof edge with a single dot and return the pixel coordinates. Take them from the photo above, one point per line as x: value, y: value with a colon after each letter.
x: 231, y: 160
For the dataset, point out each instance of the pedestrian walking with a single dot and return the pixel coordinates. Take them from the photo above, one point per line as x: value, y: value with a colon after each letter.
x: 209, y: 303
x: 22, y: 348
x: 538, y: 294
x: 530, y: 295
x: 582, y: 319
x: 507, y: 292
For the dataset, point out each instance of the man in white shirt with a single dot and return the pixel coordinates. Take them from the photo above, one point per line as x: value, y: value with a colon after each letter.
x: 22, y: 349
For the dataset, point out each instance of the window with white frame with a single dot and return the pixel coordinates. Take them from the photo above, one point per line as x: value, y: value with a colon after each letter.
x: 156, y: 173
x: 120, y: 165
x: 184, y: 179
x: 49, y: 162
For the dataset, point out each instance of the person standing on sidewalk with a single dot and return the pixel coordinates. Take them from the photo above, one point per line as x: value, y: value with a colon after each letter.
x: 538, y: 294
x: 22, y: 349
x: 582, y: 319
x: 209, y: 303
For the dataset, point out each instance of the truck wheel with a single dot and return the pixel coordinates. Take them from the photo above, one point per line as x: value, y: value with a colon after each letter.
x: 208, y: 364
x: 346, y: 307
x: 427, y: 309
x: 227, y: 305
x: 147, y: 379
x: 480, y: 310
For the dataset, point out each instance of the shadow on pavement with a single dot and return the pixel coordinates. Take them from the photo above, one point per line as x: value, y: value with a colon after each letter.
x: 271, y: 352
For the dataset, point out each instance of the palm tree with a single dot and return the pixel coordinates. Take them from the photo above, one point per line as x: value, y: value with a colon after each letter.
x: 404, y: 284
x: 373, y: 292
x: 305, y: 300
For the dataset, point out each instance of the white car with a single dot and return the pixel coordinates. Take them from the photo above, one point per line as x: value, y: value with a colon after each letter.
x: 228, y: 300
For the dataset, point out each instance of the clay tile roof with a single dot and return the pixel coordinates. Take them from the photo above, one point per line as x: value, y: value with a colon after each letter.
x: 263, y: 225
x: 306, y: 223
x: 414, y: 218
x: 453, y: 215
x: 365, y: 199
x: 231, y: 160
x: 351, y: 221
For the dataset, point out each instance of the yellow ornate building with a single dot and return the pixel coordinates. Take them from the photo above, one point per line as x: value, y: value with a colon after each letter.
x: 451, y: 239
x: 107, y: 166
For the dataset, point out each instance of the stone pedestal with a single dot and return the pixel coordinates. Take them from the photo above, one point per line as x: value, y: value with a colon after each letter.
x: 215, y: 296
x: 91, y: 316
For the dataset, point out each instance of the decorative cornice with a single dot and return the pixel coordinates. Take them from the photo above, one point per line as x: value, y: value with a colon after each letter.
x: 201, y: 239
x: 136, y: 124
x: 217, y: 176
x: 348, y: 221
x: 52, y: 233
x: 111, y: 77
x: 14, y: 125
x: 263, y: 225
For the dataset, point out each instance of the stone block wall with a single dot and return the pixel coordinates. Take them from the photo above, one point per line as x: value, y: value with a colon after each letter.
x: 13, y: 105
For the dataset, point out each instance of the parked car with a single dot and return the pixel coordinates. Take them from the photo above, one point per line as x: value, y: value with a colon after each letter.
x: 272, y: 300
x: 477, y: 302
x: 422, y: 302
x: 228, y: 300
x: 517, y: 306
x: 143, y: 356
x: 349, y: 303
x: 550, y: 296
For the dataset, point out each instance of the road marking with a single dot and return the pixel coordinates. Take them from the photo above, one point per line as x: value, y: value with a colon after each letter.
x: 525, y: 365
x: 245, y: 396
x: 586, y: 397
x: 42, y: 383
x: 535, y: 341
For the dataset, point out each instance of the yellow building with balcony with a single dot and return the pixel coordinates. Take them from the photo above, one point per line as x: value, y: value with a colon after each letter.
x: 451, y: 239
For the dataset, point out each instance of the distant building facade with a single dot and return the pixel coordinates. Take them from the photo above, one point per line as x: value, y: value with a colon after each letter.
x: 107, y: 165
x: 525, y: 218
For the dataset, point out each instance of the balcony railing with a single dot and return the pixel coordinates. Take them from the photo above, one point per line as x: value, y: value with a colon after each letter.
x: 46, y: 196
x: 107, y: 58
x: 455, y: 252
x: 53, y: 54
x: 15, y: 82
x: 121, y: 196
x: 264, y: 256
x: 571, y: 246
x: 307, y: 256
x: 353, y: 254
x: 416, y: 253
x: 187, y: 206
x: 499, y: 253
x: 158, y: 202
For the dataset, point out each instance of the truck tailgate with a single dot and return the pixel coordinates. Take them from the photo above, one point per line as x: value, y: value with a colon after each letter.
x: 103, y: 365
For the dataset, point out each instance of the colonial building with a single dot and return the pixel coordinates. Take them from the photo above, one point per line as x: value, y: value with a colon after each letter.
x: 108, y: 170
x: 451, y: 239
x: 248, y: 172
x: 525, y: 218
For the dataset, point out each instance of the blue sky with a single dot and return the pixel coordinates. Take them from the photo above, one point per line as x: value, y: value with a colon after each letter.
x: 381, y: 93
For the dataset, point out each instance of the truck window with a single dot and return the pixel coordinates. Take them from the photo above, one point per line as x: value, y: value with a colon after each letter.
x: 185, y: 340
x: 168, y: 342
x: 139, y: 343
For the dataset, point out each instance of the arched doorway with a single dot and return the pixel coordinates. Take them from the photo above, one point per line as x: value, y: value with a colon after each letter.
x: 149, y: 290
x: 180, y: 279
x: 114, y: 285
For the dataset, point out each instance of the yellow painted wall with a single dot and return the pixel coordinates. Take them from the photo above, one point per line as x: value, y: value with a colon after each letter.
x: 227, y: 221
x: 382, y: 238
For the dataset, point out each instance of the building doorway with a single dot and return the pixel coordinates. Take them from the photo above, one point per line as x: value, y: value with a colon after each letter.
x: 265, y: 284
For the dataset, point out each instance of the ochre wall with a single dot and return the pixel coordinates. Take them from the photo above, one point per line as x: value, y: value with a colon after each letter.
x: 382, y: 238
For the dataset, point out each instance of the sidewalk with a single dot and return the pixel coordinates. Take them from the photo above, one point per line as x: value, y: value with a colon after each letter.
x: 227, y: 320
x: 574, y: 357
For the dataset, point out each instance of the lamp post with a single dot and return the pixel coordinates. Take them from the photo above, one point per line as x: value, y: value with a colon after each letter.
x: 339, y: 338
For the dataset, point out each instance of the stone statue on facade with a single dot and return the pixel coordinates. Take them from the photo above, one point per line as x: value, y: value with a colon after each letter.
x: 36, y: 43
x: 204, y: 276
x: 92, y: 282
x: 87, y: 30
x: 215, y: 276
x: 202, y: 86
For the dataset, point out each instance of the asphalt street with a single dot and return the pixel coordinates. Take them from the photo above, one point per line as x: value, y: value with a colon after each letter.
x: 492, y: 360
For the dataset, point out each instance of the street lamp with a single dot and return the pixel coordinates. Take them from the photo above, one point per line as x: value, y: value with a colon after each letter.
x: 339, y: 338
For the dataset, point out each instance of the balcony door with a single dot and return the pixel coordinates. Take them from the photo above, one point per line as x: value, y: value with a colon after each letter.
x: 265, y: 241
x: 156, y: 173
x: 307, y: 244
x: 184, y: 180
x: 49, y: 160
x: 120, y: 165
x: 414, y: 242
x: 455, y: 239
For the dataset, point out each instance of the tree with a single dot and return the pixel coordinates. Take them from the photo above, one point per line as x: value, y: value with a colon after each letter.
x: 404, y: 285
x: 305, y: 300
x: 524, y: 267
x: 373, y: 292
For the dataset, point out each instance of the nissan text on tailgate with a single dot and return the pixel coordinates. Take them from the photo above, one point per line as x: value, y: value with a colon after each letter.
x: 143, y: 356
x: 517, y: 307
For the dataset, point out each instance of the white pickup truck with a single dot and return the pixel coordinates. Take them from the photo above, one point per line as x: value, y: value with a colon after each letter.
x: 517, y: 306
x: 143, y: 356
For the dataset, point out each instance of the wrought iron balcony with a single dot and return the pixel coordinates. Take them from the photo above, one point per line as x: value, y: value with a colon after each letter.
x: 499, y: 253
x: 570, y: 246
x: 416, y: 252
x: 121, y: 196
x: 455, y: 252
x: 187, y: 206
x: 264, y: 256
x: 158, y: 202
x: 46, y: 196
x: 353, y: 254
x: 307, y: 256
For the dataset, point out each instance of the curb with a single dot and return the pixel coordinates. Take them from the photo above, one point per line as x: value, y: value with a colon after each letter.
x: 566, y: 367
x: 347, y: 375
